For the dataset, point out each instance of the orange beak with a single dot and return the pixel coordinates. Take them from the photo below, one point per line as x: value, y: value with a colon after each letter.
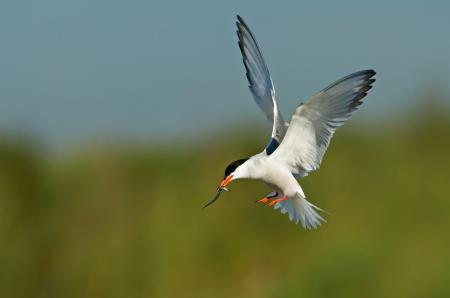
x: 225, y: 181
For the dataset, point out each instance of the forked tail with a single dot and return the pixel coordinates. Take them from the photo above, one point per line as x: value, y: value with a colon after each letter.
x: 300, y: 210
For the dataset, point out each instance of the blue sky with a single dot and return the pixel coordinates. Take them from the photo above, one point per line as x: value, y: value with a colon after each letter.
x: 74, y: 70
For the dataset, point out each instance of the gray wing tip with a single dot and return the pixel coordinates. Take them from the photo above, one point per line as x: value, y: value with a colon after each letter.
x: 369, y: 72
x: 243, y: 32
x: 241, y: 23
x: 241, y: 20
x: 244, y: 29
x: 365, y: 86
x: 365, y: 75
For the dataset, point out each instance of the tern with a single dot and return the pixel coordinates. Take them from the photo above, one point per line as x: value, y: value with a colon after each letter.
x: 295, y: 149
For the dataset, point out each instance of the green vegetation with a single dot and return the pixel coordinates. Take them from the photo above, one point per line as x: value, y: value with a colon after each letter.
x: 128, y: 222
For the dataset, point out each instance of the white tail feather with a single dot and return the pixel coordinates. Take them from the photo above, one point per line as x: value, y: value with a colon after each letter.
x: 300, y: 210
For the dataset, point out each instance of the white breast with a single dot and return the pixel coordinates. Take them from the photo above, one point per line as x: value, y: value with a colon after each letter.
x: 277, y: 177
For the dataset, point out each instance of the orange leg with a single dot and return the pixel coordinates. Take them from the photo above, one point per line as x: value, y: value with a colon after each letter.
x: 276, y: 201
x: 263, y: 200
x: 266, y: 199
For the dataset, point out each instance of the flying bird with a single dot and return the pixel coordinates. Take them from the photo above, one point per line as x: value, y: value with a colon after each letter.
x: 296, y: 148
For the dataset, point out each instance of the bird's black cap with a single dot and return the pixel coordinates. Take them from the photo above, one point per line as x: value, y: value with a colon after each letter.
x: 232, y: 166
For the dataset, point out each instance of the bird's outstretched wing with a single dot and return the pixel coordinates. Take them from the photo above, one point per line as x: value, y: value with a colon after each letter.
x: 314, y: 123
x: 260, y: 83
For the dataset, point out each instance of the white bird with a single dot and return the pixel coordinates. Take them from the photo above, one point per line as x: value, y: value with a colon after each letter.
x: 297, y: 148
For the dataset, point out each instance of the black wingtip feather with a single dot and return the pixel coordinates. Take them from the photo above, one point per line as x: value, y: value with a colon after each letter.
x: 366, y: 86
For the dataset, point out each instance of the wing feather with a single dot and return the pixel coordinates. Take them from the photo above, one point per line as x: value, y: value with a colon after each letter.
x: 313, y: 124
x: 260, y: 82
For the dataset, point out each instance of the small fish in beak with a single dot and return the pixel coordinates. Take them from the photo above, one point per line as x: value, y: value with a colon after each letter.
x: 216, y: 196
x: 222, y: 187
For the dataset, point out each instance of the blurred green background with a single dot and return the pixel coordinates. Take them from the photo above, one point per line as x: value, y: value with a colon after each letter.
x: 117, y: 119
x: 126, y: 220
